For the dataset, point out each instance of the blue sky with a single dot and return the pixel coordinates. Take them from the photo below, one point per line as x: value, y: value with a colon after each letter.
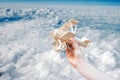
x: 85, y: 2
x: 109, y: 1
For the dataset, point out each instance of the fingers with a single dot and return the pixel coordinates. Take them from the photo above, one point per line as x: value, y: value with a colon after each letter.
x: 70, y: 55
x: 73, y: 52
x: 70, y: 45
x: 73, y: 49
x: 70, y: 52
x: 75, y: 45
x: 69, y: 49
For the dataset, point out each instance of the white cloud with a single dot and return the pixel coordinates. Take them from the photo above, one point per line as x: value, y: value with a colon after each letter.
x: 26, y: 50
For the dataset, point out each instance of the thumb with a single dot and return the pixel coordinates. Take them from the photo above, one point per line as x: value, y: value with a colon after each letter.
x: 77, y: 49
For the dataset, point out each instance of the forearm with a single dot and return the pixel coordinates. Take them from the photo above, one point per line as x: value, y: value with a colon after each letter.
x: 90, y: 72
x: 79, y: 63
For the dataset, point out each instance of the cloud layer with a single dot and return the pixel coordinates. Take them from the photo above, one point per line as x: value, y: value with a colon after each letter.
x: 26, y: 50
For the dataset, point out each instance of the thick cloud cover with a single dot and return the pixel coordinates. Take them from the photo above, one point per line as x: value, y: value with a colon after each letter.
x: 26, y: 51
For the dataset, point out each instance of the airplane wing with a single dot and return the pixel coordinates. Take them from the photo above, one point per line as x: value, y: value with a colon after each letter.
x: 67, y: 36
x: 69, y: 24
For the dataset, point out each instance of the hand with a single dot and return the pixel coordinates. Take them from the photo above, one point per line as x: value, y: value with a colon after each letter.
x: 73, y: 52
x: 74, y: 55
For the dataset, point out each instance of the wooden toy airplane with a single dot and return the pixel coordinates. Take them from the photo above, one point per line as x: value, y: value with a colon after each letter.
x: 65, y: 33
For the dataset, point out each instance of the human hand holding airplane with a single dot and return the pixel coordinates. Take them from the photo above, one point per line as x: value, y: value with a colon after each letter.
x: 81, y: 65
x: 64, y: 39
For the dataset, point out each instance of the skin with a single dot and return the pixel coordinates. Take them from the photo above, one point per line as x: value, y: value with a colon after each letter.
x: 74, y: 55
